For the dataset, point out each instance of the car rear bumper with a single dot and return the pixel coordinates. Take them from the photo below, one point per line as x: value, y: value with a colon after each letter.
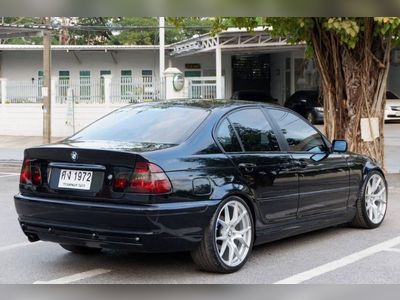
x: 167, y: 227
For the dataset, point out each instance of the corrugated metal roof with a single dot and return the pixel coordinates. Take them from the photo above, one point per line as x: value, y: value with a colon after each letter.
x: 10, y: 47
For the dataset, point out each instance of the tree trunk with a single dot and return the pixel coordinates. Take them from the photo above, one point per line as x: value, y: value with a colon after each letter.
x: 353, y: 85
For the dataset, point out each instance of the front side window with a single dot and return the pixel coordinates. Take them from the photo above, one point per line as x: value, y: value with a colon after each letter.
x: 227, y: 137
x: 254, y: 130
x: 299, y: 135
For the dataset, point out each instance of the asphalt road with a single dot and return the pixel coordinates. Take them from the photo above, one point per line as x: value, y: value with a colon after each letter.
x: 334, y: 255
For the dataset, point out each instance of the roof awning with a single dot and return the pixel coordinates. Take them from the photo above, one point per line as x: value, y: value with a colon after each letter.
x: 233, y: 42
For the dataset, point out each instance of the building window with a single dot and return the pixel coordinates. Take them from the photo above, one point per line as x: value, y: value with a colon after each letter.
x: 63, y: 85
x: 102, y: 73
x: 40, y: 77
x: 147, y: 73
x: 147, y: 84
x: 126, y: 85
x: 84, y: 85
x: 192, y: 73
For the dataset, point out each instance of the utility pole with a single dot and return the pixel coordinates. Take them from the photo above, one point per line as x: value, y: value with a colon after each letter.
x: 162, y: 55
x: 46, y: 83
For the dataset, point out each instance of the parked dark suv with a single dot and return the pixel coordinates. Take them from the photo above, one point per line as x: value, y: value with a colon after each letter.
x: 309, y: 104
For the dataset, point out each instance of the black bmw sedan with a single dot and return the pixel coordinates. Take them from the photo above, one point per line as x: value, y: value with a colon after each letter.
x: 211, y: 177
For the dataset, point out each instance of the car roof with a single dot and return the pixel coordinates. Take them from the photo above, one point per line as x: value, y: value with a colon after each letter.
x: 208, y: 104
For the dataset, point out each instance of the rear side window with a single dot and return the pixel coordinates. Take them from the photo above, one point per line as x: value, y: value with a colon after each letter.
x: 299, y: 135
x: 254, y: 130
x: 227, y: 137
x: 161, y: 124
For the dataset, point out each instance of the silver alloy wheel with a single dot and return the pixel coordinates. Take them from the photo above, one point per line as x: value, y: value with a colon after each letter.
x: 375, y: 199
x: 233, y: 233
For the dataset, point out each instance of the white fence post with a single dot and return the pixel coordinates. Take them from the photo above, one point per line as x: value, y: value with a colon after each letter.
x: 107, y: 90
x: 3, y: 90
x: 170, y: 91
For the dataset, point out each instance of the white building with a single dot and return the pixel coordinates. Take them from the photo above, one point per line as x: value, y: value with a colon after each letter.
x: 101, y: 78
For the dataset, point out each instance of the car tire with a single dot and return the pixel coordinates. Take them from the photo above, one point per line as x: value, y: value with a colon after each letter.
x: 81, y: 249
x: 226, y: 238
x: 370, y: 207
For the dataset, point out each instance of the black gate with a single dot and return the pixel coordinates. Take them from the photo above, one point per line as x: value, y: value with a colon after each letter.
x: 251, y: 72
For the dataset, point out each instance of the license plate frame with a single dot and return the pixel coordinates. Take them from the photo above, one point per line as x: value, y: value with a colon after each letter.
x: 75, y: 179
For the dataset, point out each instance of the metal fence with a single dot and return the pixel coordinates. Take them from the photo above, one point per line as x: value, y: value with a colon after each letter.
x: 204, y: 87
x: 23, y: 92
x: 85, y: 90
x: 128, y: 89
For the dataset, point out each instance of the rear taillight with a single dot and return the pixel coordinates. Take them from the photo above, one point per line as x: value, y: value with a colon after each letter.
x: 26, y: 175
x: 148, y: 178
x: 30, y: 173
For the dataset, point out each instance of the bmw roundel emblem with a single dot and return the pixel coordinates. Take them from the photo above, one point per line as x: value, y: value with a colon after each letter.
x: 74, y: 155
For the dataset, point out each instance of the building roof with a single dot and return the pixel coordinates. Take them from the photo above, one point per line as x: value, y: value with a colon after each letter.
x: 10, y: 47
x: 233, y: 40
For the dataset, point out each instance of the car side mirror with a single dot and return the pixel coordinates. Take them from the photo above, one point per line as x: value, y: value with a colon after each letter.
x: 339, y: 146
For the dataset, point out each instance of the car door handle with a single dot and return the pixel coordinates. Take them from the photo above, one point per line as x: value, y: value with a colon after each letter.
x: 248, y: 167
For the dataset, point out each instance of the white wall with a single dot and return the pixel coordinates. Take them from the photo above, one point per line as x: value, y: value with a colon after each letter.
x: 277, y: 61
x: 27, y: 119
x: 24, y: 65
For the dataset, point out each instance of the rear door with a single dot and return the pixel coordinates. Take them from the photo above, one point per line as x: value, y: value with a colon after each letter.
x: 249, y: 140
x: 323, y: 176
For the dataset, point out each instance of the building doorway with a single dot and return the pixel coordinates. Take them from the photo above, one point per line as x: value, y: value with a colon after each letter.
x: 251, y: 72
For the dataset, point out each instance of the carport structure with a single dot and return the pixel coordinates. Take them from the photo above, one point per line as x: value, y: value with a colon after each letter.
x: 15, y: 30
x: 232, y: 41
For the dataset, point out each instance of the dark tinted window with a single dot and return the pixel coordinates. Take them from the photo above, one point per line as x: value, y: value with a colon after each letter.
x: 299, y: 135
x: 227, y: 137
x: 390, y: 95
x: 254, y: 131
x: 146, y: 124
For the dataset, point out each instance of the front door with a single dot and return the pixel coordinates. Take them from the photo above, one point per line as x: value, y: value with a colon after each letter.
x: 323, y: 176
x: 268, y: 172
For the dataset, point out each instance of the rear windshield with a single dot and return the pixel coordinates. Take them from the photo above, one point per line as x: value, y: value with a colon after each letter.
x: 161, y: 124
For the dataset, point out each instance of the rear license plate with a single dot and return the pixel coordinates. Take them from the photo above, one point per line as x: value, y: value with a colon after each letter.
x: 75, y: 179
